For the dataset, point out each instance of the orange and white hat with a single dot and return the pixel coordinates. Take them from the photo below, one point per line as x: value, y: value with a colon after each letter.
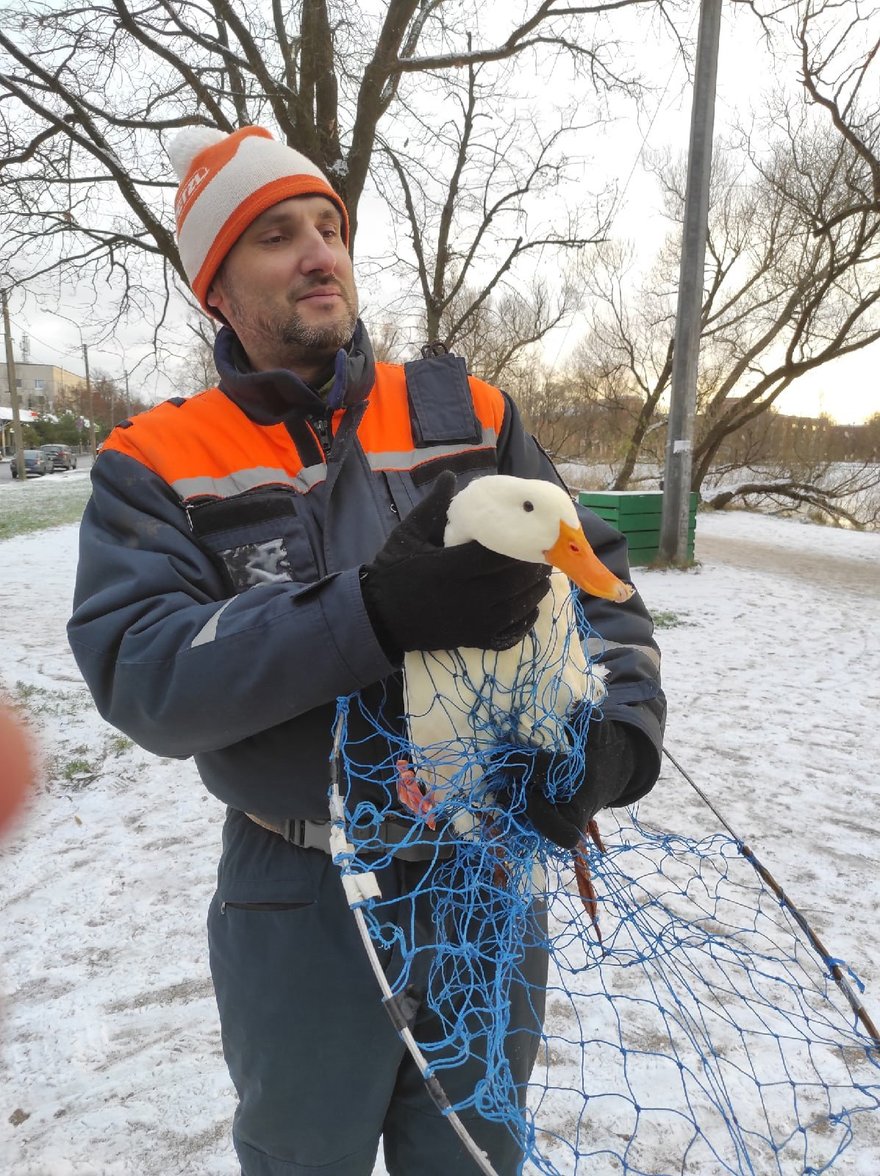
x: 226, y: 182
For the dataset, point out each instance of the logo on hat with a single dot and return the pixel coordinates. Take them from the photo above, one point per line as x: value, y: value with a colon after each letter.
x: 188, y: 191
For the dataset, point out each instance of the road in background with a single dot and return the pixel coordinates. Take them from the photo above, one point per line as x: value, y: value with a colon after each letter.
x: 83, y: 462
x: 809, y: 565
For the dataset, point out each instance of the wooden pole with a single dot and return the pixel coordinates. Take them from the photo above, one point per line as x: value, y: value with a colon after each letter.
x: 92, y: 444
x: 686, y: 351
x: 13, y: 392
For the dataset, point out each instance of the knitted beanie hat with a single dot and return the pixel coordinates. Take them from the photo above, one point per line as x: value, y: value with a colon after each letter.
x: 226, y: 182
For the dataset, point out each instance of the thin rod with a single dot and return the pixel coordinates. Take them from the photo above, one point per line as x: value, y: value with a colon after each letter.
x: 815, y: 942
x: 435, y: 1089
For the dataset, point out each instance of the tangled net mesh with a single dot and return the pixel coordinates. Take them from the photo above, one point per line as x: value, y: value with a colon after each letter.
x: 700, y: 1034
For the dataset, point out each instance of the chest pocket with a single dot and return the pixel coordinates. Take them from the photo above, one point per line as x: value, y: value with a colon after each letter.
x: 446, y: 432
x: 408, y: 487
x: 265, y: 536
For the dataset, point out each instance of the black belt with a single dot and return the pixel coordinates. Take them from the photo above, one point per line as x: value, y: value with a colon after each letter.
x: 316, y: 835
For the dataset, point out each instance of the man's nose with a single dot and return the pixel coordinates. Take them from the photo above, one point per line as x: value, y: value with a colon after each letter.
x: 317, y: 256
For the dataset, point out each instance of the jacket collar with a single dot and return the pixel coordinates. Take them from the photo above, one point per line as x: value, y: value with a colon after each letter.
x: 269, y: 397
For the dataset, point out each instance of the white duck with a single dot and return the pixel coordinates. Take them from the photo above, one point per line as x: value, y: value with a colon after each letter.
x: 462, y: 702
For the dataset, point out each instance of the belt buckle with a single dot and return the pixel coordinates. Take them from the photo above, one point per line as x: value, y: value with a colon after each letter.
x: 313, y: 835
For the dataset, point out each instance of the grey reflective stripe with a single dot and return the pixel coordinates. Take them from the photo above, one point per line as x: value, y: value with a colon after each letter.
x: 208, y: 632
x: 243, y: 480
x: 597, y: 646
x: 410, y: 458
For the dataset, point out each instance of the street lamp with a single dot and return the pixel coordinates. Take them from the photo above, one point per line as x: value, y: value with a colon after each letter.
x: 13, y: 392
x: 125, y: 397
x: 85, y: 355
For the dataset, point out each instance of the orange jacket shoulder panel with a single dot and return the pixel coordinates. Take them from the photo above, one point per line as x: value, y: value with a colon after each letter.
x: 207, y: 436
x: 207, y: 439
x: 387, y: 425
x: 488, y: 404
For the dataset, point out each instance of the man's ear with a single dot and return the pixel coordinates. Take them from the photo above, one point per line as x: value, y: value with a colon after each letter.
x: 215, y: 298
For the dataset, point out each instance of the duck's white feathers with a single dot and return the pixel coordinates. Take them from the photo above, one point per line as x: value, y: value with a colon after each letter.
x: 461, y: 702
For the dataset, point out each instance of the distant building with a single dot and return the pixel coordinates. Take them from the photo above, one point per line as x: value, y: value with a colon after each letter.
x: 41, y: 386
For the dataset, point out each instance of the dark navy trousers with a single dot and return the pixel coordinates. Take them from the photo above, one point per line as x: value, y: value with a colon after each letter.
x: 320, y: 1072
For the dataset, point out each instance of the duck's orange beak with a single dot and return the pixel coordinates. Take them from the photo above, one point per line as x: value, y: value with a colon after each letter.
x: 572, y: 554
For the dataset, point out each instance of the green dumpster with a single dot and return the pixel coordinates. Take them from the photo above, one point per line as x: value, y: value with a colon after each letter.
x: 637, y: 514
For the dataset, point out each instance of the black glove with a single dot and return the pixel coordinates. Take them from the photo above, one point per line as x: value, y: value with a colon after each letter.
x: 611, y: 763
x: 421, y: 595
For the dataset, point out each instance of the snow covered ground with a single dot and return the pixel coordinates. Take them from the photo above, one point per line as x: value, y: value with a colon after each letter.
x: 111, y: 1062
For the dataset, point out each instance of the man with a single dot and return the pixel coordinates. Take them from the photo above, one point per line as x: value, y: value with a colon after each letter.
x: 254, y: 552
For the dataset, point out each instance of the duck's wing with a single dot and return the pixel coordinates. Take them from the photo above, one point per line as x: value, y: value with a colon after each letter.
x: 462, y: 702
x: 555, y: 673
x: 441, y: 704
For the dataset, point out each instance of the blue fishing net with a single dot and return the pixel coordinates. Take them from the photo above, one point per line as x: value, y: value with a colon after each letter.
x: 693, y: 1031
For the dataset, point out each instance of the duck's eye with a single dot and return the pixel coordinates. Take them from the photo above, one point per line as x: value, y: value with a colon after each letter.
x: 527, y: 506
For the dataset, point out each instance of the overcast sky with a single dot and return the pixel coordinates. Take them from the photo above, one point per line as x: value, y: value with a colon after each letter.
x: 846, y: 389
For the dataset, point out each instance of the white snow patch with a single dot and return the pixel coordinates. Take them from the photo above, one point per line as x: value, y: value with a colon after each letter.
x: 111, y: 1061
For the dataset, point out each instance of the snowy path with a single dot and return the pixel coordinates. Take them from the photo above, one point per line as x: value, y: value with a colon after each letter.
x: 111, y: 1059
x: 813, y: 566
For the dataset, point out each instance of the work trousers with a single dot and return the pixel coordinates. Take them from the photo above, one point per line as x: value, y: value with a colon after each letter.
x: 320, y: 1072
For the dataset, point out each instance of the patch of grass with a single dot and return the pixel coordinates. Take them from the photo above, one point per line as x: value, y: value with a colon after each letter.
x: 118, y: 744
x: 39, y: 700
x: 77, y: 767
x: 31, y: 696
x: 667, y: 620
x: 39, y: 503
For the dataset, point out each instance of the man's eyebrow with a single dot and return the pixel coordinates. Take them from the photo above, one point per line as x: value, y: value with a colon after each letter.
x: 282, y: 216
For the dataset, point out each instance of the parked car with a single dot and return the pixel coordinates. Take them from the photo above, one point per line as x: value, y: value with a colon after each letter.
x: 60, y: 457
x: 36, y: 463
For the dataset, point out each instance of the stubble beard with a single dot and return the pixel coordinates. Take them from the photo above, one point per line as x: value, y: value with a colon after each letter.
x: 288, y: 340
x: 296, y: 333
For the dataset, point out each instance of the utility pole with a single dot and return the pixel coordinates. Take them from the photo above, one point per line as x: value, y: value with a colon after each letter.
x: 13, y: 393
x: 686, y: 351
x: 92, y: 444
x: 127, y: 396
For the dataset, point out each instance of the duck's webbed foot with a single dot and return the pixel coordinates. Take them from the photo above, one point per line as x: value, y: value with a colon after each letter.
x: 582, y: 874
x: 412, y: 794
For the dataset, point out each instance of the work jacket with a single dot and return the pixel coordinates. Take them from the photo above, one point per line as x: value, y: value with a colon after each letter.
x: 218, y: 611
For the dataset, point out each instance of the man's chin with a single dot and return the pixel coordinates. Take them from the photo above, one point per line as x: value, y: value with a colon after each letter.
x: 320, y: 338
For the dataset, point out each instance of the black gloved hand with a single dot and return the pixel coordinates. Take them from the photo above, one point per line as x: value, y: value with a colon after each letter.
x: 611, y: 763
x: 422, y: 595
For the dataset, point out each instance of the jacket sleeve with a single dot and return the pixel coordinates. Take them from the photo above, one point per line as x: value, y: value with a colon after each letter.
x: 170, y: 658
x: 622, y: 635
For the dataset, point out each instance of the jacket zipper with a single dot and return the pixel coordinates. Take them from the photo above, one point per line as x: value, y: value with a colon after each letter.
x: 321, y: 428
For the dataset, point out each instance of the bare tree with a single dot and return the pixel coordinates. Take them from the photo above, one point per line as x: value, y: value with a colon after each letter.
x: 847, y: 494
x: 196, y: 369
x: 479, y: 200
x: 389, y: 341
x: 779, y: 301
x: 800, y: 300
x: 498, y: 334
x: 839, y: 47
x: 109, y: 400
x: 560, y: 418
x: 625, y: 360
x: 91, y: 93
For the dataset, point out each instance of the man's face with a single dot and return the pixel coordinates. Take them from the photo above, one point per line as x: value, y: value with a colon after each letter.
x: 287, y: 288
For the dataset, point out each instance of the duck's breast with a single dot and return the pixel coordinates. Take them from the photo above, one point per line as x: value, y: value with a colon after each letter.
x: 462, y: 701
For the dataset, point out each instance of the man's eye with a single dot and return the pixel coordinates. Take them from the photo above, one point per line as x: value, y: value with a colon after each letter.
x: 273, y: 240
